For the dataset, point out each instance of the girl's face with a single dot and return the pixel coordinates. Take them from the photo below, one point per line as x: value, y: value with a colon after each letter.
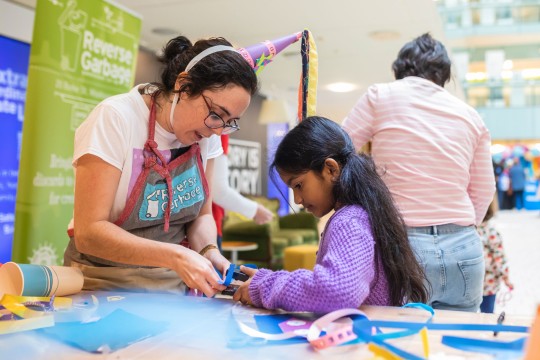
x: 313, y: 190
x: 228, y: 103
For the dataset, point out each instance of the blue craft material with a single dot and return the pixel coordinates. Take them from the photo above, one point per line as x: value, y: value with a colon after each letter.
x: 501, y: 349
x: 270, y: 324
x: 363, y: 327
x: 112, y: 332
x: 237, y: 339
x: 265, y: 323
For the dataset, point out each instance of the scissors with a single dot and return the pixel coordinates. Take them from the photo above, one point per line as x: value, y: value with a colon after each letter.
x: 234, y: 273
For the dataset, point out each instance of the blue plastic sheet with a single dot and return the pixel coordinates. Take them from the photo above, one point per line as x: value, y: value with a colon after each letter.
x: 112, y: 332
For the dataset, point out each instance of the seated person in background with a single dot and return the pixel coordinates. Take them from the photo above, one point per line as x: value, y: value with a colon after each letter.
x: 495, y: 258
x: 364, y: 255
x: 227, y: 198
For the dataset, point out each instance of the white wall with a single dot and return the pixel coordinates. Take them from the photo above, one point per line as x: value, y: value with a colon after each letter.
x: 16, y: 22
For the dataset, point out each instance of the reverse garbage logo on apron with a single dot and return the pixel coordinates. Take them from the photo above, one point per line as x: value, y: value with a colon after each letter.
x: 187, y: 191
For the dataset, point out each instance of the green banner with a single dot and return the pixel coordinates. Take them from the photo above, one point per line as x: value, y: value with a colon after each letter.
x: 81, y: 53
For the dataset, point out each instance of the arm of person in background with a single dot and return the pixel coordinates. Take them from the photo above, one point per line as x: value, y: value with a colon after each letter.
x: 359, y: 122
x: 482, y: 180
x: 230, y: 199
x: 95, y: 189
x: 202, y: 231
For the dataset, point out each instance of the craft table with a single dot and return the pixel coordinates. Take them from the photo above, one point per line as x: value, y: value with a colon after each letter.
x: 202, y: 328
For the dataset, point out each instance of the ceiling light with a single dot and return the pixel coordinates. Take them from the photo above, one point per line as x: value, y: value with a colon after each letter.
x: 476, y: 76
x: 341, y: 87
x: 529, y: 74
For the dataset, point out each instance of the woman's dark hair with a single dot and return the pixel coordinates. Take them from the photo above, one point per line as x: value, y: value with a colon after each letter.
x: 306, y: 147
x: 424, y: 57
x: 214, y: 71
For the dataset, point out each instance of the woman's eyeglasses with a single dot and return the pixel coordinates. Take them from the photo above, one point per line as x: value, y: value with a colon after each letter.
x: 214, y: 121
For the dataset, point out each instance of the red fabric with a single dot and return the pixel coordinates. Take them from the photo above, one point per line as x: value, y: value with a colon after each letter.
x: 225, y: 143
x: 217, y: 211
x: 219, y: 214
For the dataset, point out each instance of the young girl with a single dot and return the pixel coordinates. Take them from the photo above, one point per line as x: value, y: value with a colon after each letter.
x: 496, y: 264
x: 364, y: 256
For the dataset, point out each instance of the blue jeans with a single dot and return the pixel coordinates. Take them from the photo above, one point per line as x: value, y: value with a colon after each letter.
x: 488, y: 304
x: 518, y: 199
x: 453, y: 260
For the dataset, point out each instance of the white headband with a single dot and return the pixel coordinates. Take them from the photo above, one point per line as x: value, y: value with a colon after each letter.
x: 207, y: 52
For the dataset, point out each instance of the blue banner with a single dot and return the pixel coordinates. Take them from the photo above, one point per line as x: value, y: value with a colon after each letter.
x: 13, y: 79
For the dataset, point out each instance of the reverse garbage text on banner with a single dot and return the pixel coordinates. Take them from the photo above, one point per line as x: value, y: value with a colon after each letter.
x: 82, y: 52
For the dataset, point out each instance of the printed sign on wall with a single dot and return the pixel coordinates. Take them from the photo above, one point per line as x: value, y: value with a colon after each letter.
x: 13, y: 80
x: 245, y: 166
x: 82, y: 52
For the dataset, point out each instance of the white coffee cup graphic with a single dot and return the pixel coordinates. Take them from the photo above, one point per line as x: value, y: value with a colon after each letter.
x: 39, y: 280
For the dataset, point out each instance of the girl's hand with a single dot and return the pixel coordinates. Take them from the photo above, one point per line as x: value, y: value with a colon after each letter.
x: 508, y: 284
x: 242, y: 293
x: 198, y: 273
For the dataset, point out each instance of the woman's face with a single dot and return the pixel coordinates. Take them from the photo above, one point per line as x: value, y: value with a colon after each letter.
x: 228, y: 103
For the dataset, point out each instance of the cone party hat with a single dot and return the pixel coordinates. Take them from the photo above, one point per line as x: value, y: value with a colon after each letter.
x: 261, y: 54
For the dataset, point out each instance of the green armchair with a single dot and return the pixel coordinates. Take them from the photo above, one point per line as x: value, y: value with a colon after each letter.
x: 271, y: 238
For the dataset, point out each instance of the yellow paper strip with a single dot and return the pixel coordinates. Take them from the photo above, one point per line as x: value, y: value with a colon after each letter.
x: 15, y: 305
x: 31, y: 319
x: 11, y: 326
x: 425, y: 342
x: 379, y: 352
x: 313, y: 73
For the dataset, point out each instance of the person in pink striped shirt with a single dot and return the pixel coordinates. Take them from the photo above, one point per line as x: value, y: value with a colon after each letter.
x: 435, y: 150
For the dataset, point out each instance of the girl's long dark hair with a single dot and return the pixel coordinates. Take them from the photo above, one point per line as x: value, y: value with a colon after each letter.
x: 306, y: 147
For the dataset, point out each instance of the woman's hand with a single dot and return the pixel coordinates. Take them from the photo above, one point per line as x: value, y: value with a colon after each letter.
x: 263, y: 215
x: 198, y: 273
x: 218, y: 260
x: 242, y: 293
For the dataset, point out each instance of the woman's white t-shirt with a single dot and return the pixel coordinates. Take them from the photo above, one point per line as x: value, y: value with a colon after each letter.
x: 116, y: 131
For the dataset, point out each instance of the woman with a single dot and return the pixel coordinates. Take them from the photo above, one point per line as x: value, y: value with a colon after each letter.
x: 136, y: 149
x: 436, y: 152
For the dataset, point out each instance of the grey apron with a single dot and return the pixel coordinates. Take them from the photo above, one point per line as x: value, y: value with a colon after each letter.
x: 152, y: 214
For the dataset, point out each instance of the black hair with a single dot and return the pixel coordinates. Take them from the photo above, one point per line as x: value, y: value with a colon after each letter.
x: 306, y: 147
x: 214, y: 71
x: 424, y: 57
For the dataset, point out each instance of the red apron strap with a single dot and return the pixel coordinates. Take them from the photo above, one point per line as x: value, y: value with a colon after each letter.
x: 150, y: 161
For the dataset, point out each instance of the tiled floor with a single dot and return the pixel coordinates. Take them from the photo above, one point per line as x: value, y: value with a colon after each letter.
x: 521, y: 238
